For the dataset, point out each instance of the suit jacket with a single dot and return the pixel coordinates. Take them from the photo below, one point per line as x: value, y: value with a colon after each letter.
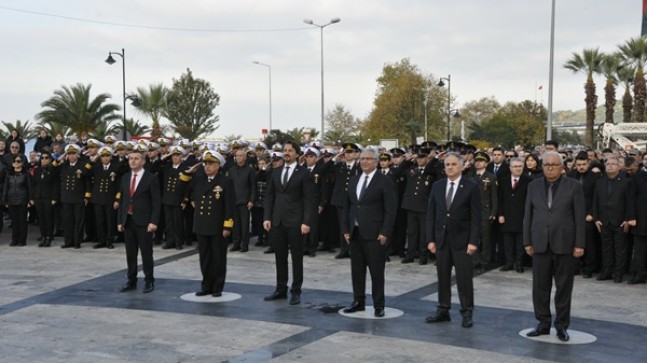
x: 562, y: 226
x: 45, y: 184
x: 512, y: 203
x: 616, y: 207
x: 289, y: 205
x: 587, y: 180
x: 146, y: 201
x: 504, y: 169
x: 461, y: 224
x: 375, y: 212
x: 640, y: 185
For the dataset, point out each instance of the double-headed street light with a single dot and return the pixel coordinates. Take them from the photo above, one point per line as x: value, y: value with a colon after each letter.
x: 135, y: 99
x: 450, y: 111
x: 310, y: 22
x: 269, y: 67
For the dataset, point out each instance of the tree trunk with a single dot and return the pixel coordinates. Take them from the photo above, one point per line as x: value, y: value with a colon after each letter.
x: 640, y: 93
x: 610, y: 100
x: 627, y: 106
x: 591, y: 102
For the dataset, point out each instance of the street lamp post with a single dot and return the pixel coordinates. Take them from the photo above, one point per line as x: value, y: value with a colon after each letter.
x: 321, y: 27
x: 449, y: 100
x: 135, y: 99
x: 269, y: 67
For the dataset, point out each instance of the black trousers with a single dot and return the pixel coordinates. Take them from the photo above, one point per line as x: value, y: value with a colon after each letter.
x: 484, y: 254
x: 367, y: 253
x: 175, y: 234
x: 591, y: 257
x: 614, y: 250
x: 546, y: 267
x: 257, y: 224
x: 18, y: 214
x: 640, y: 256
x: 330, y: 234
x: 213, y: 262
x: 285, y: 239
x: 240, y: 232
x: 138, y: 240
x: 399, y: 235
x: 311, y: 240
x: 45, y: 211
x: 416, y: 234
x: 514, y: 250
x: 446, y: 257
x: 73, y: 217
x: 343, y: 246
x: 90, y: 227
x: 104, y: 216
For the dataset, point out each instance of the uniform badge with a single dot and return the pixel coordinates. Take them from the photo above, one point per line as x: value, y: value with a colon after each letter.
x: 217, y: 189
x: 113, y: 176
x: 78, y: 174
x: 316, y: 178
x: 426, y: 183
x: 486, y: 183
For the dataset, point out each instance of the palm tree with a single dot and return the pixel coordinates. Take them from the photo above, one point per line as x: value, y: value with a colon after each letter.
x: 634, y: 52
x: 626, y: 75
x: 611, y: 63
x: 72, y: 107
x: 153, y: 104
x: 106, y: 129
x: 26, y: 131
x: 133, y: 128
x: 589, y: 63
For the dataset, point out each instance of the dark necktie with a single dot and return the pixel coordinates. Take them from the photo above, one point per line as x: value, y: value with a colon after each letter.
x: 209, y: 180
x: 450, y: 195
x: 550, y: 194
x: 133, y: 184
x: 285, y: 176
x: 514, y: 184
x: 361, y: 191
x: 496, y: 168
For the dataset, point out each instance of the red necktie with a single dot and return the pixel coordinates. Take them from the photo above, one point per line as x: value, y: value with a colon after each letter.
x: 514, y: 184
x: 132, y: 192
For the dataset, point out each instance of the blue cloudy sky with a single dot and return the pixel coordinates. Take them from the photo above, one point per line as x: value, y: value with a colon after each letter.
x: 491, y: 48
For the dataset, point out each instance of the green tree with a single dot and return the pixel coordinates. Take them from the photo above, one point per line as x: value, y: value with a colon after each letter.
x: 609, y: 67
x: 626, y: 75
x: 73, y: 108
x: 513, y: 124
x: 634, y: 53
x: 153, y: 104
x: 133, y: 128
x: 103, y: 130
x: 588, y: 62
x: 232, y: 137
x: 341, y: 123
x: 191, y: 105
x: 25, y: 130
x: 399, y: 106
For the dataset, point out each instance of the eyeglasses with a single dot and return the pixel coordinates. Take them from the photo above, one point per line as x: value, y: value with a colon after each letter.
x: 45, y: 157
x: 550, y: 166
x: 17, y: 161
x: 509, y: 156
x: 14, y: 147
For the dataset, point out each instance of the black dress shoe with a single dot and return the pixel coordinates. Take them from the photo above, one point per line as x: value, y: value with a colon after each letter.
x: 538, y: 331
x: 129, y: 286
x: 203, y: 293
x: 440, y: 316
x: 342, y: 255
x: 13, y: 243
x: 604, y: 277
x: 423, y: 261
x: 506, y: 268
x: 178, y: 247
x: 562, y: 335
x: 109, y: 245
x: 276, y: 296
x: 467, y: 322
x: 379, y: 312
x: 47, y: 242
x: 234, y: 248
x: 587, y: 275
x: 167, y: 247
x: 617, y: 279
x: 269, y: 250
x: 354, y: 307
x: 258, y: 244
x: 66, y: 245
x: 312, y: 253
x: 244, y: 249
x: 520, y: 270
x: 99, y: 245
x: 406, y: 260
x: 295, y: 299
x: 148, y: 288
x: 636, y: 280
x: 77, y: 246
x: 217, y: 294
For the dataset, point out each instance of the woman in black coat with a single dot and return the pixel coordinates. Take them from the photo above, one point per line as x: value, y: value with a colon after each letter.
x: 43, y: 141
x: 532, y: 167
x: 15, y: 136
x: 43, y: 194
x: 16, y: 198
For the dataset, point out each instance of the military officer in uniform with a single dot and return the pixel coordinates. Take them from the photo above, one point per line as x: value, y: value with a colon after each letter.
x: 75, y: 193
x: 343, y: 172
x: 174, y: 198
x: 213, y: 199
x: 104, y: 191
x: 44, y: 191
x: 489, y: 203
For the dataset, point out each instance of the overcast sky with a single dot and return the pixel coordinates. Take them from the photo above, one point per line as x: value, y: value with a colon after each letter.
x: 494, y: 48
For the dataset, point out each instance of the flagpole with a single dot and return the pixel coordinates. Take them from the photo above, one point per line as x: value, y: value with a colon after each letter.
x: 549, y: 123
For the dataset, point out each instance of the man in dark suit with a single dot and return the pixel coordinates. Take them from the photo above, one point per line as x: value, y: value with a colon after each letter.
x: 453, y: 230
x: 289, y: 204
x: 512, y: 204
x: 343, y: 171
x: 639, y: 230
x: 498, y: 166
x: 553, y: 233
x: 368, y: 217
x: 613, y: 211
x: 138, y: 216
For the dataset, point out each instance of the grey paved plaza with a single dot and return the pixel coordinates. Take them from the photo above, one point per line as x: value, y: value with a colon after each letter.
x: 64, y: 305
